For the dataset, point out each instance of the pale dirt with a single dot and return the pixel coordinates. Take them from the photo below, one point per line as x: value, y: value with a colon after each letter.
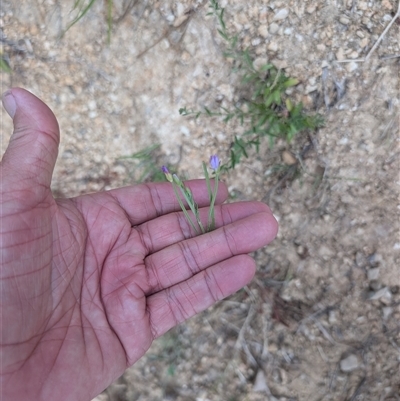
x: 328, y: 287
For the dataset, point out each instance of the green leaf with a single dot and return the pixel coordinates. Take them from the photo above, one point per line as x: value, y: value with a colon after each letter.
x: 292, y: 132
x: 223, y: 34
x: 267, y: 92
x: 109, y: 20
x: 269, y: 100
x: 289, y: 105
x: 81, y: 14
x: 4, y: 66
x: 221, y: 19
x: 277, y: 97
x: 234, y: 41
x: 248, y: 59
x: 144, y: 153
x: 262, y: 120
x: 266, y: 67
x: 290, y: 82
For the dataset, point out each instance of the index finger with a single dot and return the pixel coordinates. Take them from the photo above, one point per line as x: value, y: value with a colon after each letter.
x: 147, y: 201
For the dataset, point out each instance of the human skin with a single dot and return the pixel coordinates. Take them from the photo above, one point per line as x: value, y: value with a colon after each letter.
x: 87, y: 283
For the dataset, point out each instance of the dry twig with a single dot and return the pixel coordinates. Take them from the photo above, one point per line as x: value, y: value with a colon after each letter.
x: 241, y: 342
x: 378, y: 41
x: 397, y: 15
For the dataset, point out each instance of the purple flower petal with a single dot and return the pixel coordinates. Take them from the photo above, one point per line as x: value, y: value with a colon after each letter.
x: 214, y: 162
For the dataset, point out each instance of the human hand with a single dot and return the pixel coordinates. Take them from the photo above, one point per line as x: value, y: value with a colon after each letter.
x: 88, y: 283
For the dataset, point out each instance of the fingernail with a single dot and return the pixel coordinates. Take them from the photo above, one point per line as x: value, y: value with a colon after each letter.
x: 9, y: 103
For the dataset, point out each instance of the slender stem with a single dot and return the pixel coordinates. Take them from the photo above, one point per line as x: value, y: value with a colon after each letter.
x: 211, y: 214
x: 203, y: 230
x: 188, y: 218
x: 207, y: 181
x: 109, y: 20
x: 193, y: 207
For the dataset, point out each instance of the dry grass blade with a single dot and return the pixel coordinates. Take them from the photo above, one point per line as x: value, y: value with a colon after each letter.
x: 81, y: 14
x: 378, y: 41
x: 397, y: 15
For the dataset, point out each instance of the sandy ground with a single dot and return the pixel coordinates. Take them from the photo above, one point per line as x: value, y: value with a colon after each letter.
x: 321, y: 320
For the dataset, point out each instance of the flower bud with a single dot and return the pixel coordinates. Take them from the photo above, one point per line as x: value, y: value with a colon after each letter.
x: 177, y: 180
x: 214, y: 162
x: 168, y: 175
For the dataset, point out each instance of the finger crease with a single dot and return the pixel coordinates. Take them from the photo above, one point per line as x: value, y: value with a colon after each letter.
x: 209, y: 279
x: 228, y: 238
x: 189, y: 258
x: 155, y: 199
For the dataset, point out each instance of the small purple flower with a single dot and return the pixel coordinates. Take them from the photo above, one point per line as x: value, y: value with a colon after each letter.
x: 168, y: 175
x: 214, y: 162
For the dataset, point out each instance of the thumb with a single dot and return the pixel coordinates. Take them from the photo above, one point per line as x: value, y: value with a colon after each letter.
x: 32, y: 152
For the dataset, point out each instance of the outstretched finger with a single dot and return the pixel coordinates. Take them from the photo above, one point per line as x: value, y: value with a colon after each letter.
x: 173, y: 305
x: 147, y: 201
x: 181, y: 261
x: 172, y: 228
x: 31, y: 155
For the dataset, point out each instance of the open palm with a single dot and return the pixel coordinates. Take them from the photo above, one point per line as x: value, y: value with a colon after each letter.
x: 88, y: 283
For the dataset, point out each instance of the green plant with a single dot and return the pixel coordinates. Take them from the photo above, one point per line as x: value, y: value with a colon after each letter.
x: 266, y: 110
x: 181, y: 189
x: 4, y: 66
x: 83, y: 6
x: 4, y: 60
x: 146, y: 164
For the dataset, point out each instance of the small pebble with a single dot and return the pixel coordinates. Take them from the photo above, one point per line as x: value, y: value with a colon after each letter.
x: 92, y: 105
x: 288, y: 158
x: 273, y: 46
x: 373, y: 274
x: 263, y: 30
x: 260, y: 384
x: 180, y: 20
x: 259, y: 62
x: 281, y: 14
x: 311, y: 88
x: 344, y: 20
x: 383, y: 295
x: 311, y: 8
x: 394, y: 289
x: 351, y: 66
x: 375, y: 285
x: 375, y: 259
x: 340, y: 54
x: 332, y: 317
x: 387, y: 311
x: 280, y: 64
x: 273, y: 28
x: 362, y: 5
x: 353, y: 55
x: 349, y: 364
